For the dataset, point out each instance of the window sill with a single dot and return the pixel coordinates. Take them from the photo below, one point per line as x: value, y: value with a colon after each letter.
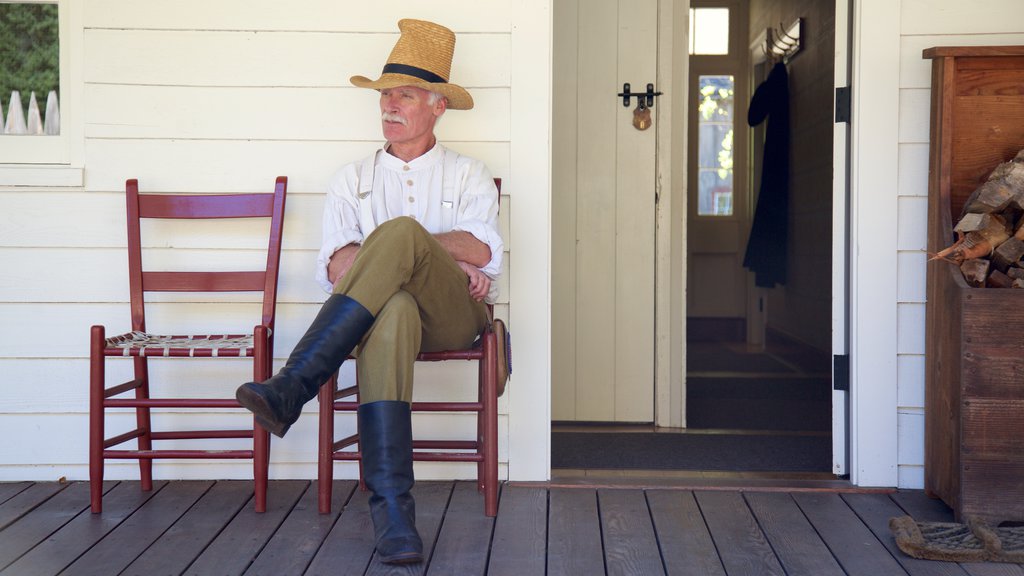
x: 41, y: 175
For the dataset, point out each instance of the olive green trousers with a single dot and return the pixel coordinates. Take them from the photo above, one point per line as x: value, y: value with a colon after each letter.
x: 420, y: 301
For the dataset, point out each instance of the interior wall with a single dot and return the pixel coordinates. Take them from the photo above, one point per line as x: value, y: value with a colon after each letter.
x: 801, y: 309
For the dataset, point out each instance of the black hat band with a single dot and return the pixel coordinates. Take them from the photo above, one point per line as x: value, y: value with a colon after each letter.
x: 413, y: 71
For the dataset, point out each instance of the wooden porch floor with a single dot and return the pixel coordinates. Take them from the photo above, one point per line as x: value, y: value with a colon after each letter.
x: 199, y: 527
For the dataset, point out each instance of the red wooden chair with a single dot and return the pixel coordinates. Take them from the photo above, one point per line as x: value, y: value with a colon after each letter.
x: 483, y: 450
x: 139, y: 344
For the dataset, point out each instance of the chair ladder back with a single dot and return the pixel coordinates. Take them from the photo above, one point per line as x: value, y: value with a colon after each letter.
x: 204, y: 206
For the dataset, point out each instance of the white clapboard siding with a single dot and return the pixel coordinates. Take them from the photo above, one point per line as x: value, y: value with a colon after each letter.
x: 23, y: 223
x: 462, y: 16
x: 201, y: 97
x: 63, y: 447
x: 128, y: 111
x: 41, y: 275
x: 924, y: 24
x: 273, y: 59
x: 245, y: 165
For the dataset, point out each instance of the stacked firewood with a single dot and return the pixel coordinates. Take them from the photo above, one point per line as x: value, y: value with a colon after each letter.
x: 990, y: 234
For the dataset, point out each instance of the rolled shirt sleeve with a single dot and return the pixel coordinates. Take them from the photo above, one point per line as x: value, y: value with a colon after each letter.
x: 340, y: 221
x: 478, y: 214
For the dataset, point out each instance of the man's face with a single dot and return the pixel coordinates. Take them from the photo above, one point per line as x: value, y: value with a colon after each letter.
x: 407, y: 115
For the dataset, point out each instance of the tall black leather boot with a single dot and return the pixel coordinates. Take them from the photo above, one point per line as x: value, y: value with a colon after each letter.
x: 334, y: 333
x: 385, y: 437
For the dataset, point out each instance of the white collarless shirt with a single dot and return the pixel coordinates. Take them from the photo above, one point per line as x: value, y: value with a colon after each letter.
x: 414, y: 189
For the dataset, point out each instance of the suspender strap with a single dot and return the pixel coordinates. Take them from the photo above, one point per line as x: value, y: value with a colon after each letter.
x: 448, y: 178
x: 365, y: 193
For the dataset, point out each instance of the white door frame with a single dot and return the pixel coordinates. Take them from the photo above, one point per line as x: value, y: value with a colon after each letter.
x: 874, y: 174
x: 840, y: 244
x: 670, y: 216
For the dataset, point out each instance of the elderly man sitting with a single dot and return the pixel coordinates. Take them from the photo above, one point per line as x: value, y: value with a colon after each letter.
x: 411, y: 252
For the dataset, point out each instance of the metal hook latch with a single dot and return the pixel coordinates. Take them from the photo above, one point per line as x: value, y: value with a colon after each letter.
x: 646, y: 99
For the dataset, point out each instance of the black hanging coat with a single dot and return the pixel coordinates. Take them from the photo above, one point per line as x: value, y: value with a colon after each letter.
x: 767, y: 245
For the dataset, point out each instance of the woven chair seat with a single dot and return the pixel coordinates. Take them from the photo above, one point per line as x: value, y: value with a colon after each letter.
x: 197, y: 345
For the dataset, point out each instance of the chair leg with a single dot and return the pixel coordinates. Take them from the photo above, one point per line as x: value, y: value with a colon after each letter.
x: 325, y: 452
x: 144, y: 424
x: 490, y: 418
x: 262, y: 368
x: 97, y: 377
x: 260, y: 466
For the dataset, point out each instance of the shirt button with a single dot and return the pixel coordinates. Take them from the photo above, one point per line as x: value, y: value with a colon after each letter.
x: 409, y: 182
x: 411, y: 199
x: 406, y: 167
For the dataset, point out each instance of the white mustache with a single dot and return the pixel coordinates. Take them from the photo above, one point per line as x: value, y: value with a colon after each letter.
x: 391, y: 117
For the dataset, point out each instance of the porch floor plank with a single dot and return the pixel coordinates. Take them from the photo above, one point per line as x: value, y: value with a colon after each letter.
x: 853, y: 544
x: 630, y: 545
x: 740, y: 542
x: 240, y: 542
x: 210, y: 528
x: 465, y: 536
x: 574, y: 533
x: 799, y: 548
x: 82, y: 532
x: 184, y: 541
x: 141, y: 529
x: 348, y: 547
x: 686, y: 544
x: 293, y: 546
x: 26, y: 500
x: 519, y: 545
x: 875, y: 510
x: 9, y: 490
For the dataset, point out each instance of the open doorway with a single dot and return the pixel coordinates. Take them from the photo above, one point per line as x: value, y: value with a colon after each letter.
x: 759, y: 261
x: 728, y: 367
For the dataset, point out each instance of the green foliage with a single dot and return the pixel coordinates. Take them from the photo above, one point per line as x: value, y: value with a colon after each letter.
x: 29, y: 51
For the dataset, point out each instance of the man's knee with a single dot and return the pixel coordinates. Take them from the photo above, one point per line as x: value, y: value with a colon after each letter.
x: 400, y: 226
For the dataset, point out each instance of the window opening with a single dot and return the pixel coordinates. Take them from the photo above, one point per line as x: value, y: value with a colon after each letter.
x: 29, y: 69
x: 709, y: 31
x: 715, y: 145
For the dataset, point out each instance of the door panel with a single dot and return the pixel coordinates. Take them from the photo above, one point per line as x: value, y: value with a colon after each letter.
x: 603, y: 361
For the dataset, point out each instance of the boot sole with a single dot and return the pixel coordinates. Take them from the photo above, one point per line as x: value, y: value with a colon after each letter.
x: 257, y: 404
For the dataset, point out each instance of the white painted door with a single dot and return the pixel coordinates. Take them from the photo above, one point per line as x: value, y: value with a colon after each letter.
x: 604, y: 209
x: 840, y: 261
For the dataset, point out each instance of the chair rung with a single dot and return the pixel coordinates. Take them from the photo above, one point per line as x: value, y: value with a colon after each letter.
x: 471, y: 354
x: 346, y: 442
x: 445, y: 444
x: 201, y: 434
x: 447, y: 457
x: 422, y: 406
x: 171, y: 403
x: 154, y: 454
x: 420, y: 456
x: 131, y: 435
x: 122, y: 388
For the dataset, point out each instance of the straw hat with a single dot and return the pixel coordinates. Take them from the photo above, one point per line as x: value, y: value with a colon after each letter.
x: 422, y: 57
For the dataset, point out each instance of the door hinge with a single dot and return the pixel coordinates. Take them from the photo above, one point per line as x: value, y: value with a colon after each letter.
x: 841, y: 372
x: 843, y: 104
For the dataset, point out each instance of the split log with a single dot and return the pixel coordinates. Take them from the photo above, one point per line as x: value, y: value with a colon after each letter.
x: 975, y: 271
x: 997, y: 279
x: 1007, y: 254
x: 1015, y: 272
x: 1003, y: 189
x: 979, y: 243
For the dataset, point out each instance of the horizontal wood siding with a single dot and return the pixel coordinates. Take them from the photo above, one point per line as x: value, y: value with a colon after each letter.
x: 924, y: 24
x: 222, y: 97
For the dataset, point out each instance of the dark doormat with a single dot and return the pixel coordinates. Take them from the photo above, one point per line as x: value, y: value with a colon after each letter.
x: 726, y: 360
x: 708, y: 452
x: 761, y: 403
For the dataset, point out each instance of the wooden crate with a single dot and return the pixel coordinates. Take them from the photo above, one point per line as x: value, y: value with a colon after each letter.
x: 974, y: 379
